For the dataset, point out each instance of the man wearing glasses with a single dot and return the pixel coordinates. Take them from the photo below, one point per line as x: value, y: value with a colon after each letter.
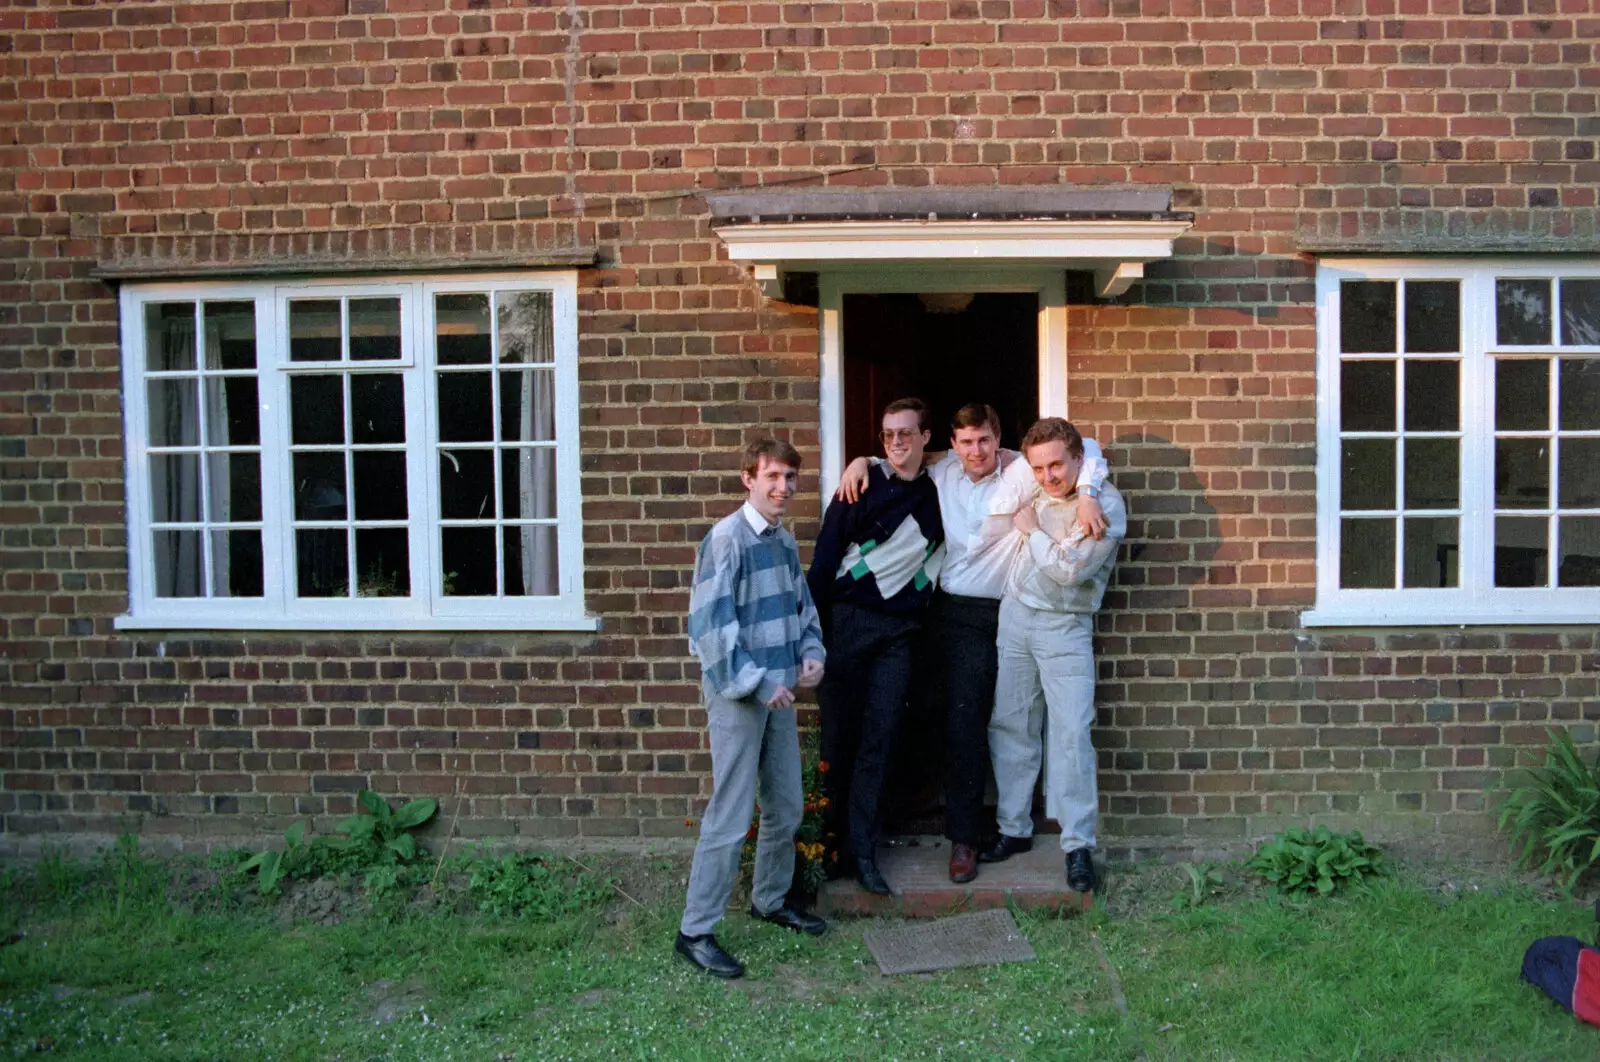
x: 976, y: 478
x: 872, y: 574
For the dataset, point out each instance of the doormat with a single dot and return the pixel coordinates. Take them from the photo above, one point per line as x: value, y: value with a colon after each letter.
x: 981, y: 939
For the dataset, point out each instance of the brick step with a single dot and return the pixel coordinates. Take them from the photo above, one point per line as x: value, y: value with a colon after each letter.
x: 918, y: 871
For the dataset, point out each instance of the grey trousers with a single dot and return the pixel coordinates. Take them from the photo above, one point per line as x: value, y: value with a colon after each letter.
x: 1046, y: 662
x: 755, y: 753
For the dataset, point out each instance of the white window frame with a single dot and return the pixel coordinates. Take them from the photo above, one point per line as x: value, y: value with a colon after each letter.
x: 427, y: 608
x: 1476, y: 600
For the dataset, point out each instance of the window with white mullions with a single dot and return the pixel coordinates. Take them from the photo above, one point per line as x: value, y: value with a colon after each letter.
x: 347, y: 446
x: 1400, y: 438
x: 1547, y: 435
x: 1458, y: 441
x: 495, y: 374
x: 203, y: 449
x: 354, y: 454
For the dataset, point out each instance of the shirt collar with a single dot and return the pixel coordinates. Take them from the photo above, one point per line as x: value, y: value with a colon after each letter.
x: 758, y: 523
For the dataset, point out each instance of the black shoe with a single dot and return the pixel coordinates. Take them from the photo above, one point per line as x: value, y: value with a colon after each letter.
x: 1080, y: 871
x: 707, y: 954
x: 792, y: 918
x: 1004, y: 848
x: 871, y: 878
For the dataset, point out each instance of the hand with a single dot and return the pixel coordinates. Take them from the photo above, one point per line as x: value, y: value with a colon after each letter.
x: 1004, y: 458
x: 1025, y: 520
x: 854, y: 481
x: 1091, y: 518
x: 783, y: 698
x: 810, y: 673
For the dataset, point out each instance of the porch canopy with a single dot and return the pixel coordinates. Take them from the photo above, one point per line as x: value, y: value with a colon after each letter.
x: 1111, y: 231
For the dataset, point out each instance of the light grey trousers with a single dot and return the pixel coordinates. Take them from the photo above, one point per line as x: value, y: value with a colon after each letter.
x: 1046, y: 667
x: 755, y: 753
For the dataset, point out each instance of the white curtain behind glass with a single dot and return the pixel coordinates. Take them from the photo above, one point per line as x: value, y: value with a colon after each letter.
x: 529, y: 328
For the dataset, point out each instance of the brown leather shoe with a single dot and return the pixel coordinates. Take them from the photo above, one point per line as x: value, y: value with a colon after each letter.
x: 963, y: 863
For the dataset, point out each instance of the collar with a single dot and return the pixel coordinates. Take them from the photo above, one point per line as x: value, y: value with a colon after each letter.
x: 757, y: 522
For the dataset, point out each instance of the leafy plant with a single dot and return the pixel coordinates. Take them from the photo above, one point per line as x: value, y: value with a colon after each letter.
x: 272, y: 865
x: 376, y: 837
x: 1205, y: 883
x: 532, y: 885
x: 1554, y: 817
x: 1300, y: 861
x: 381, y: 835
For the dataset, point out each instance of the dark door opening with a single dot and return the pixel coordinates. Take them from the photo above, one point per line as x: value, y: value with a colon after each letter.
x: 948, y: 350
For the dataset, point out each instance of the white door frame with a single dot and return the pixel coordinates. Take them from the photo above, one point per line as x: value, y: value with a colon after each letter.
x: 838, y: 280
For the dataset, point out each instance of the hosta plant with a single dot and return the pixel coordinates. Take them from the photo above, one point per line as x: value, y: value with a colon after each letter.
x: 1553, y: 817
x: 1301, y: 862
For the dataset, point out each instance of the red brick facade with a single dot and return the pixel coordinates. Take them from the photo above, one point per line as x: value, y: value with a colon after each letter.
x: 287, y: 133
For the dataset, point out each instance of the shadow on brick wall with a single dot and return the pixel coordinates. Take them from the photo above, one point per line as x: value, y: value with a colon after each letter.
x: 1173, y: 531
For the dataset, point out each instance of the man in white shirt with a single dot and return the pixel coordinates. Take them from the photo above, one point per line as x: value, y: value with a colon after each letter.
x: 1056, y: 581
x: 974, y: 477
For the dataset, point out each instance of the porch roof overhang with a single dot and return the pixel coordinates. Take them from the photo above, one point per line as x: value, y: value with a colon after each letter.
x: 1112, y: 232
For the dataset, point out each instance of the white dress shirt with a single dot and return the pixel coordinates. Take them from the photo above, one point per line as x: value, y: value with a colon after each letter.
x: 972, y: 566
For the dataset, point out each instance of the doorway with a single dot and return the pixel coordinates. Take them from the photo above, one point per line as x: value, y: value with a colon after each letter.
x: 946, y: 348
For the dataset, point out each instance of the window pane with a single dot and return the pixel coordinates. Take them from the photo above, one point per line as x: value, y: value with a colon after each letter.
x: 1521, y: 473
x: 1366, y: 316
x: 466, y: 484
x: 1366, y: 554
x: 374, y: 329
x: 1521, y: 551
x: 531, y: 561
x: 461, y: 329
x: 1580, y: 394
x: 175, y: 488
x: 1580, y: 312
x: 230, y: 335
x: 1433, y: 316
x: 527, y: 406
x: 169, y: 336
x: 1433, y: 554
x: 1433, y: 391
x: 1366, y: 396
x: 466, y: 411
x: 383, y: 563
x: 233, y: 413
x: 236, y: 564
x: 1580, y: 474
x: 1433, y: 474
x: 322, y: 562
x: 316, y: 410
x: 314, y: 330
x: 174, y: 413
x: 179, y: 564
x: 319, y: 487
x: 526, y: 333
x: 469, y: 561
x: 1367, y: 474
x: 528, y: 483
x: 1522, y: 311
x: 1580, y: 551
x: 380, y: 485
x: 235, y: 488
x: 1521, y: 394
x: 378, y: 407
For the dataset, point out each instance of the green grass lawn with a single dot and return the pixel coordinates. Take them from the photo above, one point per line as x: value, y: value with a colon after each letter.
x: 130, y: 960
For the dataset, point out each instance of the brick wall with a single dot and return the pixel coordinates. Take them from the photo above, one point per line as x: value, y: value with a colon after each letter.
x: 298, y: 132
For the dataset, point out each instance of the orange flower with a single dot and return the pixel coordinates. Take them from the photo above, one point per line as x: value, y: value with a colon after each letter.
x: 822, y: 766
x: 688, y: 822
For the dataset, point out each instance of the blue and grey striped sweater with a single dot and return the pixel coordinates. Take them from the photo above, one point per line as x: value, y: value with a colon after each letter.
x: 751, y: 619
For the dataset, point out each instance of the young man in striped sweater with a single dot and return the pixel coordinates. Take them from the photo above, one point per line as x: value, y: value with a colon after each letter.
x: 754, y: 629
